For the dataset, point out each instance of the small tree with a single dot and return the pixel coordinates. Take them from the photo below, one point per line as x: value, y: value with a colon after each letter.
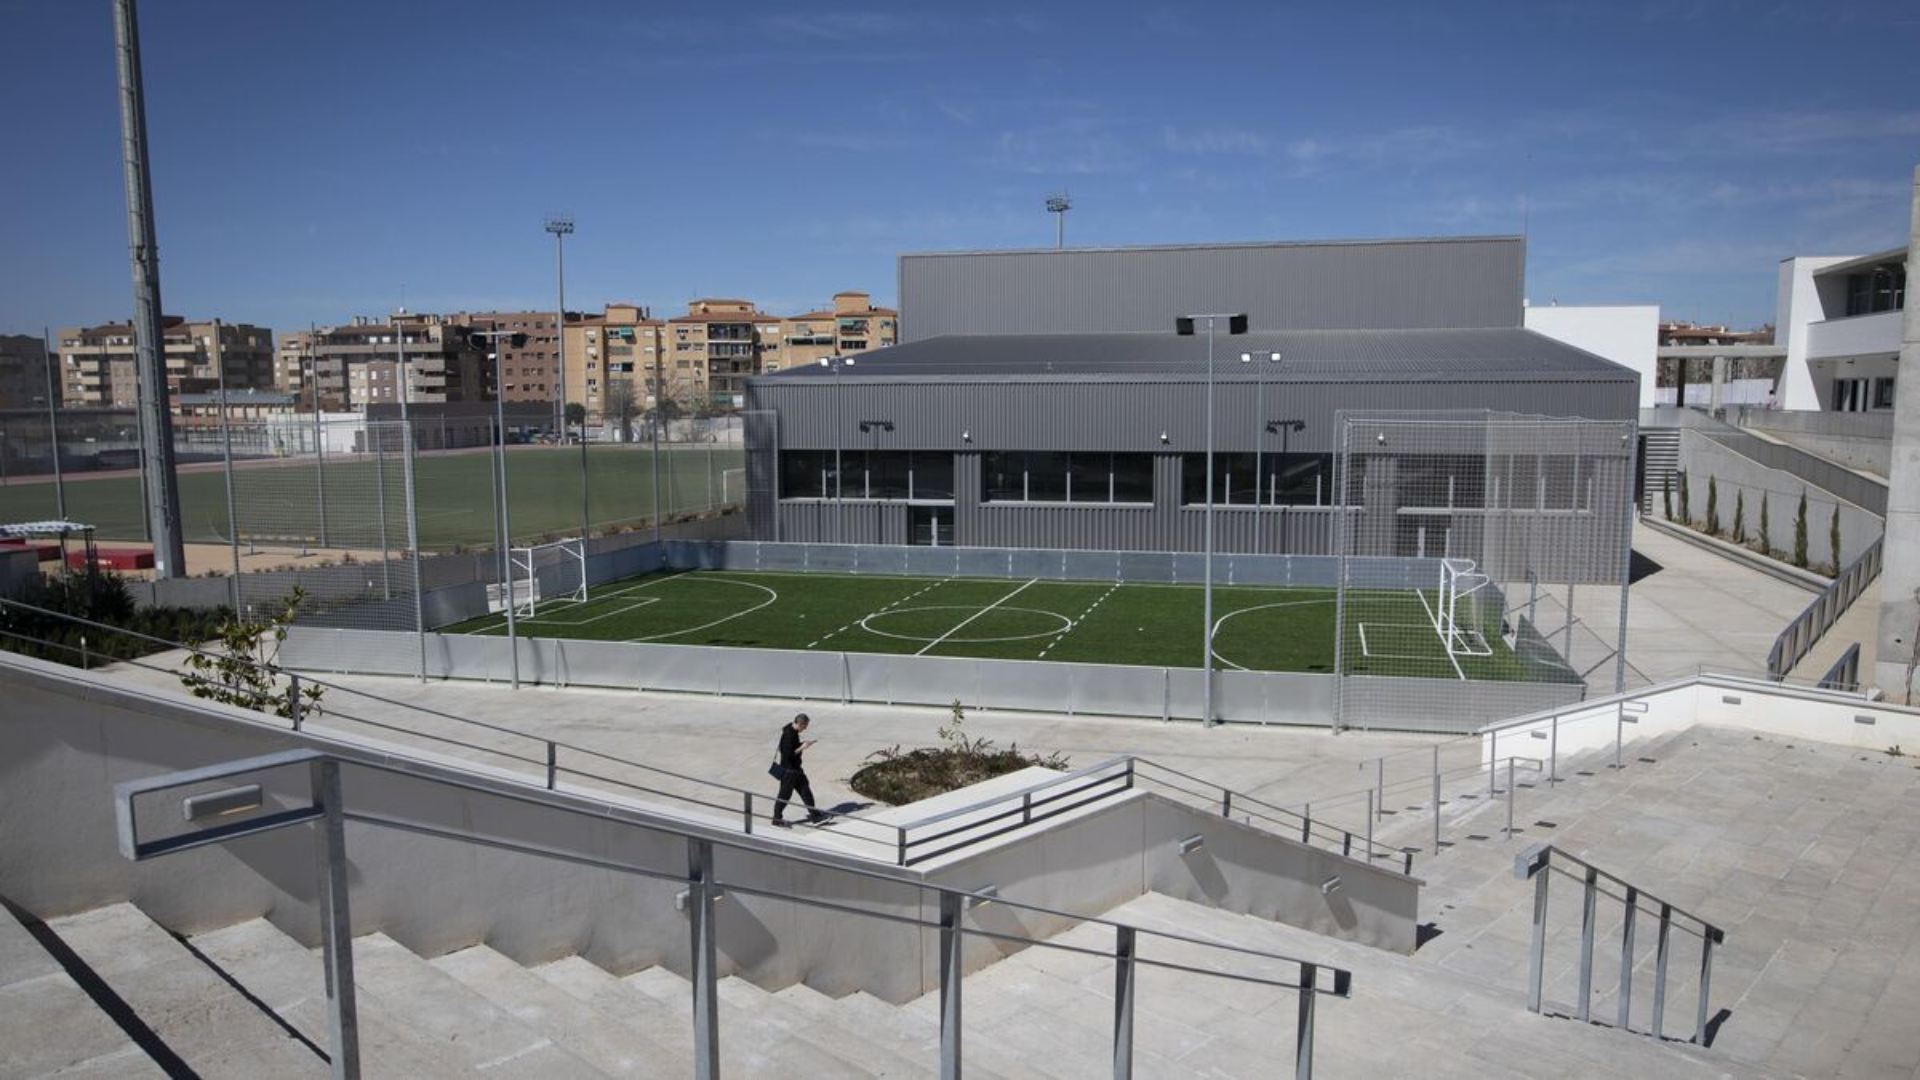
x: 1766, y: 535
x: 1686, y: 510
x: 1713, y: 507
x: 1833, y: 538
x: 1740, y: 516
x: 576, y: 413
x: 1800, y: 532
x: 1666, y: 495
x: 241, y: 666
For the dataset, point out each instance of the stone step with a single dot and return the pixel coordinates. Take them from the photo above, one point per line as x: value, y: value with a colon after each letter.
x: 753, y: 1042
x: 667, y: 1027
x: 206, y: 1022
x: 824, y: 1029
x: 287, y: 978
x: 50, y: 1025
x: 471, y: 1032
x: 614, y: 1047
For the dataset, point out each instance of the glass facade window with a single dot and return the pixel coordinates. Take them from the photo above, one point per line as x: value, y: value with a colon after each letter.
x: 1241, y: 479
x: 1052, y: 476
x: 1884, y: 288
x: 919, y: 475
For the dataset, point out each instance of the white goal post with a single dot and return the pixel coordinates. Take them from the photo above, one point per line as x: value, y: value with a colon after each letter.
x: 729, y: 478
x: 547, y: 574
x: 1461, y: 583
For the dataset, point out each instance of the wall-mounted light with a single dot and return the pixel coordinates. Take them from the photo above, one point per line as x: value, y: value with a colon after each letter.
x: 1163, y: 438
x: 680, y: 898
x: 1330, y: 886
x: 221, y: 803
x: 1381, y: 438
x: 983, y: 897
x: 1191, y: 844
x: 966, y: 436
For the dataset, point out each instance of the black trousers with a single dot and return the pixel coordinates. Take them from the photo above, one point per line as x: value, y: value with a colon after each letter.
x: 794, y: 780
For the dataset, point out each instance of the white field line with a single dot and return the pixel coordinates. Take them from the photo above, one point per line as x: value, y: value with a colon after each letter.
x: 772, y: 597
x: 1444, y: 647
x: 861, y: 622
x: 1077, y: 620
x: 963, y: 622
x: 563, y: 605
x: 1222, y: 621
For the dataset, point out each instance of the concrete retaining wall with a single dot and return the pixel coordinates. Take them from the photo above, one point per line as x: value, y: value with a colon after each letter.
x: 1701, y: 458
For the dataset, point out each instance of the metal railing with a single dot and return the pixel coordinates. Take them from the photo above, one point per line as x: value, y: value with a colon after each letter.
x: 903, y: 844
x: 1837, y: 480
x: 1845, y: 672
x: 1539, y: 863
x: 1804, y: 632
x: 326, y: 807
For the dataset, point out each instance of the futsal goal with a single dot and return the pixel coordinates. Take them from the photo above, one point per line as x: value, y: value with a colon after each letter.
x: 1459, y: 613
x: 546, y: 574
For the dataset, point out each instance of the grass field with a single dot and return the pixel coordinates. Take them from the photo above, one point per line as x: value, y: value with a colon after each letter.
x: 279, y: 499
x: 1259, y: 629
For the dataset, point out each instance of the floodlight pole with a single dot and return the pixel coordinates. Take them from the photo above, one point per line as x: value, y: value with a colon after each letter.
x: 561, y: 226
x: 408, y: 448
x: 834, y: 364
x: 1236, y: 324
x: 226, y: 467
x: 1260, y: 431
x: 53, y: 424
x: 493, y: 337
x: 162, y: 494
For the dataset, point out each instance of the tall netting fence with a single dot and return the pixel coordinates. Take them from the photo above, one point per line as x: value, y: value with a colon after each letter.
x: 1486, y: 551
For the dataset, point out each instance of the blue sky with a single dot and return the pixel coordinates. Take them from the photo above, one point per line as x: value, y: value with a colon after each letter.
x: 321, y: 159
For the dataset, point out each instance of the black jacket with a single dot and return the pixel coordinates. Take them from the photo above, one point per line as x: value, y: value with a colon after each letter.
x: 790, y: 749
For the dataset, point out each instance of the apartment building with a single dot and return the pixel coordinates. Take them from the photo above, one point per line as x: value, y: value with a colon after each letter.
x: 350, y: 367
x: 530, y: 372
x: 1839, y: 319
x: 624, y: 345
x: 97, y: 362
x: 23, y: 372
x: 851, y: 325
x: 721, y: 341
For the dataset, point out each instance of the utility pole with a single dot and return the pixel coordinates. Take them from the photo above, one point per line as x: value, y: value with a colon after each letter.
x: 150, y: 364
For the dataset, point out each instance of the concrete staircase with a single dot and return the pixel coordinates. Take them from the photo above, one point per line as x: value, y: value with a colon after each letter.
x: 1662, y: 448
x: 1800, y: 851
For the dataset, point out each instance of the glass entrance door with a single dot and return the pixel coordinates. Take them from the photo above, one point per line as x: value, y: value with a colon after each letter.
x: 930, y: 526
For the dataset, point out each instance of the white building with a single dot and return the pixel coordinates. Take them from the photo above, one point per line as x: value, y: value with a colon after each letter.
x: 1627, y: 334
x: 1839, y: 320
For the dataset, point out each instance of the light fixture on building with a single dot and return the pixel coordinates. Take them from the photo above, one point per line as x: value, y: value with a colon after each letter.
x: 1191, y: 844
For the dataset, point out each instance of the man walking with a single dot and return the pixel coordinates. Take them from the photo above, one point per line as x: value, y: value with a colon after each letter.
x: 793, y: 773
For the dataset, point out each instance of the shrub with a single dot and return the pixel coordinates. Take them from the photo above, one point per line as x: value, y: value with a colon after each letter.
x: 1800, y: 533
x: 242, y: 666
x: 1740, y: 516
x: 97, y: 596
x: 896, y: 777
x: 1713, y: 507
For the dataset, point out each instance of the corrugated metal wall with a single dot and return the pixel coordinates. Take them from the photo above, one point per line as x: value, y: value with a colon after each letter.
x: 1399, y: 284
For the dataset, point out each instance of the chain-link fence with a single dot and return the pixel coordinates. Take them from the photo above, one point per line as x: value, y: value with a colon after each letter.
x: 1521, y: 531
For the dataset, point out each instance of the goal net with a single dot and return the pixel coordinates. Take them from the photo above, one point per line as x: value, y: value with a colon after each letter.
x: 1460, y: 613
x: 546, y: 574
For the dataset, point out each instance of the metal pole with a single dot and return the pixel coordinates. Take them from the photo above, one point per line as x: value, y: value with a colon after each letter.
x: 1587, y: 902
x: 1206, y: 639
x: 1626, y: 958
x: 659, y: 418
x: 1436, y: 798
x: 1259, y: 460
x: 411, y: 449
x: 319, y: 436
x: 380, y: 497
x: 1380, y: 787
x: 560, y: 325
x: 1537, y: 955
x: 705, y: 976
x: 951, y: 971
x: 1370, y: 808
x: 226, y: 462
x: 150, y: 362
x: 1626, y: 556
x: 1553, y: 752
x: 1123, y: 968
x: 1303, y: 1022
x: 586, y: 518
x: 336, y: 922
x: 506, y: 513
x: 1660, y: 969
x: 1706, y: 983
x: 53, y: 425
x: 1509, y: 798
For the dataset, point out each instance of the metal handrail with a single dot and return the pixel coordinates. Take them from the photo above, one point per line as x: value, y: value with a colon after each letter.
x: 1537, y: 863
x: 1844, y: 674
x: 1804, y: 632
x: 551, y: 764
x: 326, y: 806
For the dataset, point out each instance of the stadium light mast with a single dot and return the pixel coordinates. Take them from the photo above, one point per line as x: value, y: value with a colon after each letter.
x: 149, y: 361
x: 561, y: 226
x: 493, y: 344
x: 1058, y: 205
x: 1184, y: 326
x: 1261, y: 428
x: 834, y: 364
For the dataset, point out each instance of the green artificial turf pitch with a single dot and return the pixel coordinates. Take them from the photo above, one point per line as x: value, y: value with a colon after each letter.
x: 280, y: 499
x: 1390, y: 632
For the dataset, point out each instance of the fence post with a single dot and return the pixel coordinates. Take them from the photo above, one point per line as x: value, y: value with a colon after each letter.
x: 1380, y: 785
x: 1553, y: 752
x: 900, y: 845
x: 1370, y: 809
x: 1592, y: 896
x: 746, y: 811
x: 1706, y: 982
x: 1306, y: 822
x: 1123, y: 949
x: 293, y: 702
x: 1026, y: 808
x: 1509, y: 798
x: 1626, y: 957
x: 1619, y: 730
x: 553, y: 764
x: 336, y: 922
x: 86, y: 661
x: 1537, y: 955
x: 705, y: 980
x: 1493, y: 761
x: 1436, y: 798
x: 1226, y: 802
x: 951, y: 970
x: 1660, y: 969
x: 1303, y: 1025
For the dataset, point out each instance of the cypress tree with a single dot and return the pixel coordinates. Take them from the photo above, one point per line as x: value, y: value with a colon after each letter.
x: 1833, y: 538
x: 1713, y: 506
x: 1686, y: 510
x: 1740, y: 516
x: 1666, y: 495
x: 1766, y: 537
x: 1800, y: 532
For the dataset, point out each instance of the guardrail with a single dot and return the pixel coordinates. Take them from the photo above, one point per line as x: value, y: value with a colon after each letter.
x: 1538, y: 863
x: 1836, y: 480
x: 326, y: 807
x: 1806, y: 629
x: 1845, y: 672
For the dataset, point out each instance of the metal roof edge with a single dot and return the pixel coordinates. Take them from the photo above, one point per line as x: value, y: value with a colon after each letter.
x: 1224, y: 245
